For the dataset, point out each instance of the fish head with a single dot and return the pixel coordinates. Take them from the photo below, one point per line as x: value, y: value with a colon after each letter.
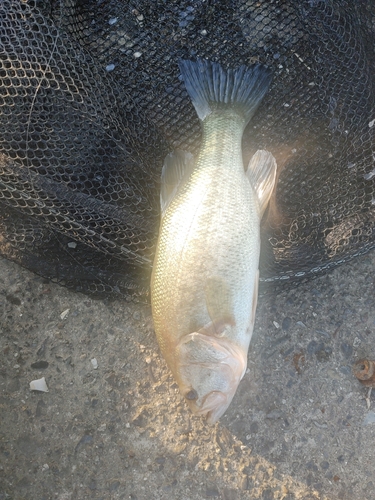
x: 208, y: 371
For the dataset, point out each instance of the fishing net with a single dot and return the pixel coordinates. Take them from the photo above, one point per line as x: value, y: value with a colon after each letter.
x: 91, y: 102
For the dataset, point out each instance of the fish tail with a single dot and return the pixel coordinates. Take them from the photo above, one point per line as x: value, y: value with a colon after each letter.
x: 212, y: 87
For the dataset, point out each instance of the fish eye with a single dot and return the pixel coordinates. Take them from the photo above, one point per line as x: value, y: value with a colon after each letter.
x: 192, y: 395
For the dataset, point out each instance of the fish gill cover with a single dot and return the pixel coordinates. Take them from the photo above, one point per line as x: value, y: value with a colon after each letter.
x: 91, y: 101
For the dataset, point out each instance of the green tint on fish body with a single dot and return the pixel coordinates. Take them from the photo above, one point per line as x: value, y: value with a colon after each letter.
x: 205, y: 274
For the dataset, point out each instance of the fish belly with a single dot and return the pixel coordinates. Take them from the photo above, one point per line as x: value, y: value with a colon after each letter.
x: 209, y: 234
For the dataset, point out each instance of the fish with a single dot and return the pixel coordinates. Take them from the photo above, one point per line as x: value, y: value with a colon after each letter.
x: 204, y: 283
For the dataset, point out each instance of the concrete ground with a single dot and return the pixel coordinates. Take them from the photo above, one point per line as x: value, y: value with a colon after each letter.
x: 299, y: 426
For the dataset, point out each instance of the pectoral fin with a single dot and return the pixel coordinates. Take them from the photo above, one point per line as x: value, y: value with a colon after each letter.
x: 219, y: 306
x: 177, y: 167
x: 261, y: 173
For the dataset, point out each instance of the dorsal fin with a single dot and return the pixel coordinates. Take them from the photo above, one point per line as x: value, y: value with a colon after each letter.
x: 261, y: 173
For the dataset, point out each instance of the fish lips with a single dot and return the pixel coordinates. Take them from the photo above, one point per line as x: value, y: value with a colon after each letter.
x: 214, y: 405
x: 208, y: 362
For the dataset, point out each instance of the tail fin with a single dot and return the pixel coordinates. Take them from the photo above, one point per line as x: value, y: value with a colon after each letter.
x: 210, y: 86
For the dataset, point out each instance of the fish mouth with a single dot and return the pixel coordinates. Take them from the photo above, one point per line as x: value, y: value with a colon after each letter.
x: 203, y: 359
x: 214, y: 406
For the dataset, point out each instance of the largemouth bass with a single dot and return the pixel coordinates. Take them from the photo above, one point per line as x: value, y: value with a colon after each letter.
x: 204, y: 283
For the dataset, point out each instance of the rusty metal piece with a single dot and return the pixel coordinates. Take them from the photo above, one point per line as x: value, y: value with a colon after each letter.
x: 364, y: 370
x: 298, y: 361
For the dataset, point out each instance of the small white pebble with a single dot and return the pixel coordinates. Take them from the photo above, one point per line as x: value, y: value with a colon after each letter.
x: 204, y: 32
x: 110, y: 67
x: 276, y: 324
x: 137, y: 54
x: 371, y: 123
x: 72, y: 244
x: 113, y: 20
x: 64, y: 314
x: 286, y: 105
x: 16, y: 366
x: 39, y: 385
x: 94, y: 363
x: 294, y: 151
x: 45, y: 467
x: 140, y: 17
x: 127, y: 425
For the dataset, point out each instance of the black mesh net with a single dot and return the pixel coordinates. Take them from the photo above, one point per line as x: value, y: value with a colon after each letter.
x: 91, y: 102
